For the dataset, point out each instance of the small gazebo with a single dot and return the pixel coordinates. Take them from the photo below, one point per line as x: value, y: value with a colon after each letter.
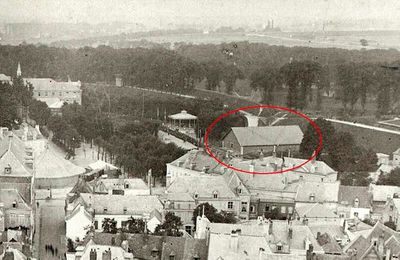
x: 183, y: 119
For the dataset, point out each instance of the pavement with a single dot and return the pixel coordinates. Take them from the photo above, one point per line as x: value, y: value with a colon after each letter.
x: 167, y: 138
x: 51, y: 230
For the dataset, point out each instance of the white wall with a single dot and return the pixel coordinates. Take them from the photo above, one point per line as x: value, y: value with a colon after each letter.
x: 76, y: 226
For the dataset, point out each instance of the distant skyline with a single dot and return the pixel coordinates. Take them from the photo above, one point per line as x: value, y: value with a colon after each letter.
x: 160, y: 13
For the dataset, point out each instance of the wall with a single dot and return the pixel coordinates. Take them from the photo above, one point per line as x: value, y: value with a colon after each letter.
x: 76, y: 226
x: 270, y: 148
x: 230, y: 142
x: 54, y: 183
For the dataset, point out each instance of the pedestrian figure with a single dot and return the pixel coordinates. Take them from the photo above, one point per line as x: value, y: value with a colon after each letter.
x: 56, y: 251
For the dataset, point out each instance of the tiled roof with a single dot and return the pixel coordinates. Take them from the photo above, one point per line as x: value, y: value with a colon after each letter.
x: 348, y: 194
x: 203, y: 185
x: 321, y: 191
x: 12, y: 153
x: 383, y: 192
x: 9, y: 196
x: 315, y: 210
x: 197, y: 160
x: 119, y: 183
x: 115, y: 204
x: 268, y: 135
x: 270, y: 163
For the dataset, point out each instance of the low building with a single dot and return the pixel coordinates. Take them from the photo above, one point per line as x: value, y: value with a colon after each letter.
x: 266, y: 139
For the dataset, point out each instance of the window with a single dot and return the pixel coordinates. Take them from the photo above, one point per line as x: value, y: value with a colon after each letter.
x: 196, y: 195
x: 252, y: 209
x: 356, y: 214
x: 290, y: 210
x: 178, y: 206
x: 96, y: 224
x: 172, y: 257
x: 283, y: 209
x: 322, y: 179
x: 239, y: 190
x: 52, y: 93
x: 230, y: 205
x: 244, y: 206
x: 215, y: 194
x: 279, y: 247
x: 196, y: 257
x: 188, y: 229
x: 391, y: 207
x: 273, y: 207
x: 125, y: 210
x: 126, y: 185
x: 231, y: 145
x: 312, y: 197
x: 267, y: 208
x: 105, y: 210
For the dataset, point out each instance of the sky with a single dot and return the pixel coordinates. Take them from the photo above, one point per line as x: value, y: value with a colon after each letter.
x: 198, y: 11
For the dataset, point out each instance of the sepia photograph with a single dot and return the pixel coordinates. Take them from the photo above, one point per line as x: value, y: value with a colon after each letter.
x: 199, y: 130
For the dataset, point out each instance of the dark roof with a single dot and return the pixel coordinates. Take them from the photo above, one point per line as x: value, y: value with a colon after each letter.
x: 348, y: 194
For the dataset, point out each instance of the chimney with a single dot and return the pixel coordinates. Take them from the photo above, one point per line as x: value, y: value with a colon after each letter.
x: 270, y: 227
x: 251, y: 168
x: 289, y: 153
x: 261, y: 253
x: 234, y: 241
x: 192, y: 165
x: 274, y: 152
x: 149, y: 178
x: 106, y: 255
x: 93, y: 254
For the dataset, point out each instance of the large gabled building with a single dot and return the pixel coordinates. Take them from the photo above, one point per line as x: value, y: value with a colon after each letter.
x: 265, y: 139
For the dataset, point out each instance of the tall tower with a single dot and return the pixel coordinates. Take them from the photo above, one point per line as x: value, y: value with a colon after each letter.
x: 19, y: 72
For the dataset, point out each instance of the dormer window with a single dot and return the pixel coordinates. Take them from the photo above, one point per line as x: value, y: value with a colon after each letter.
x: 7, y: 169
x: 356, y: 202
x: 125, y: 210
x: 239, y: 190
x: 126, y: 185
x: 312, y: 197
x: 215, y: 194
x: 105, y: 210
x: 14, y: 204
x: 196, y: 195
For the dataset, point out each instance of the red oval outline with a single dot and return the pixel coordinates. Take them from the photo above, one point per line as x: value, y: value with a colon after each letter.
x: 211, y: 126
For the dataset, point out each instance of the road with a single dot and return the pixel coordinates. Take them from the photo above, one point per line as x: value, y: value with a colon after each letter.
x: 51, y: 228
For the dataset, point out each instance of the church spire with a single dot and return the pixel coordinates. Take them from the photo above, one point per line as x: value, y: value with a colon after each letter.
x: 19, y: 72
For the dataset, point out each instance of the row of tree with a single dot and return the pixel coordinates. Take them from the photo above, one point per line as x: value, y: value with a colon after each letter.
x: 339, y: 150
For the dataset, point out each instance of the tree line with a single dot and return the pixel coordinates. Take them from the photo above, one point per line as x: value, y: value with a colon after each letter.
x: 305, y: 73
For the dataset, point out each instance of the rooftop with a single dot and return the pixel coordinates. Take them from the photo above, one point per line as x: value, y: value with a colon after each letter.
x: 48, y: 84
x: 122, y: 204
x: 10, y: 196
x: 197, y: 160
x: 348, y: 195
x: 318, y: 192
x: 268, y: 135
x: 183, y: 115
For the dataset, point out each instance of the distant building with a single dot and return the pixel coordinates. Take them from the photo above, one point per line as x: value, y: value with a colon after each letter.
x: 118, y: 80
x: 54, y: 93
x: 266, y: 139
x: 381, y: 194
x: 5, y: 79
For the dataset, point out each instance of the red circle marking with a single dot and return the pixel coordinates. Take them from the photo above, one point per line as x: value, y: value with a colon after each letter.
x: 212, y: 125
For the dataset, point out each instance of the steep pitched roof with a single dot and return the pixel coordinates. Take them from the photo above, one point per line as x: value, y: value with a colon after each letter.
x: 268, y: 135
x: 12, y: 153
x: 9, y: 196
x: 315, y: 210
x: 51, y: 165
x: 322, y: 192
x: 203, y: 185
x: 115, y: 204
x: 197, y: 160
x: 348, y: 194
x: 383, y: 192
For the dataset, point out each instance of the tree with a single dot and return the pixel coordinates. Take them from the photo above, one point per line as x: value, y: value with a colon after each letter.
x: 109, y: 225
x: 8, y: 106
x: 310, y: 139
x: 266, y: 80
x: 40, y: 112
x: 70, y: 246
x: 137, y: 226
x: 213, y: 74
x: 212, y: 214
x: 170, y: 226
x: 393, y: 178
x: 230, y: 74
